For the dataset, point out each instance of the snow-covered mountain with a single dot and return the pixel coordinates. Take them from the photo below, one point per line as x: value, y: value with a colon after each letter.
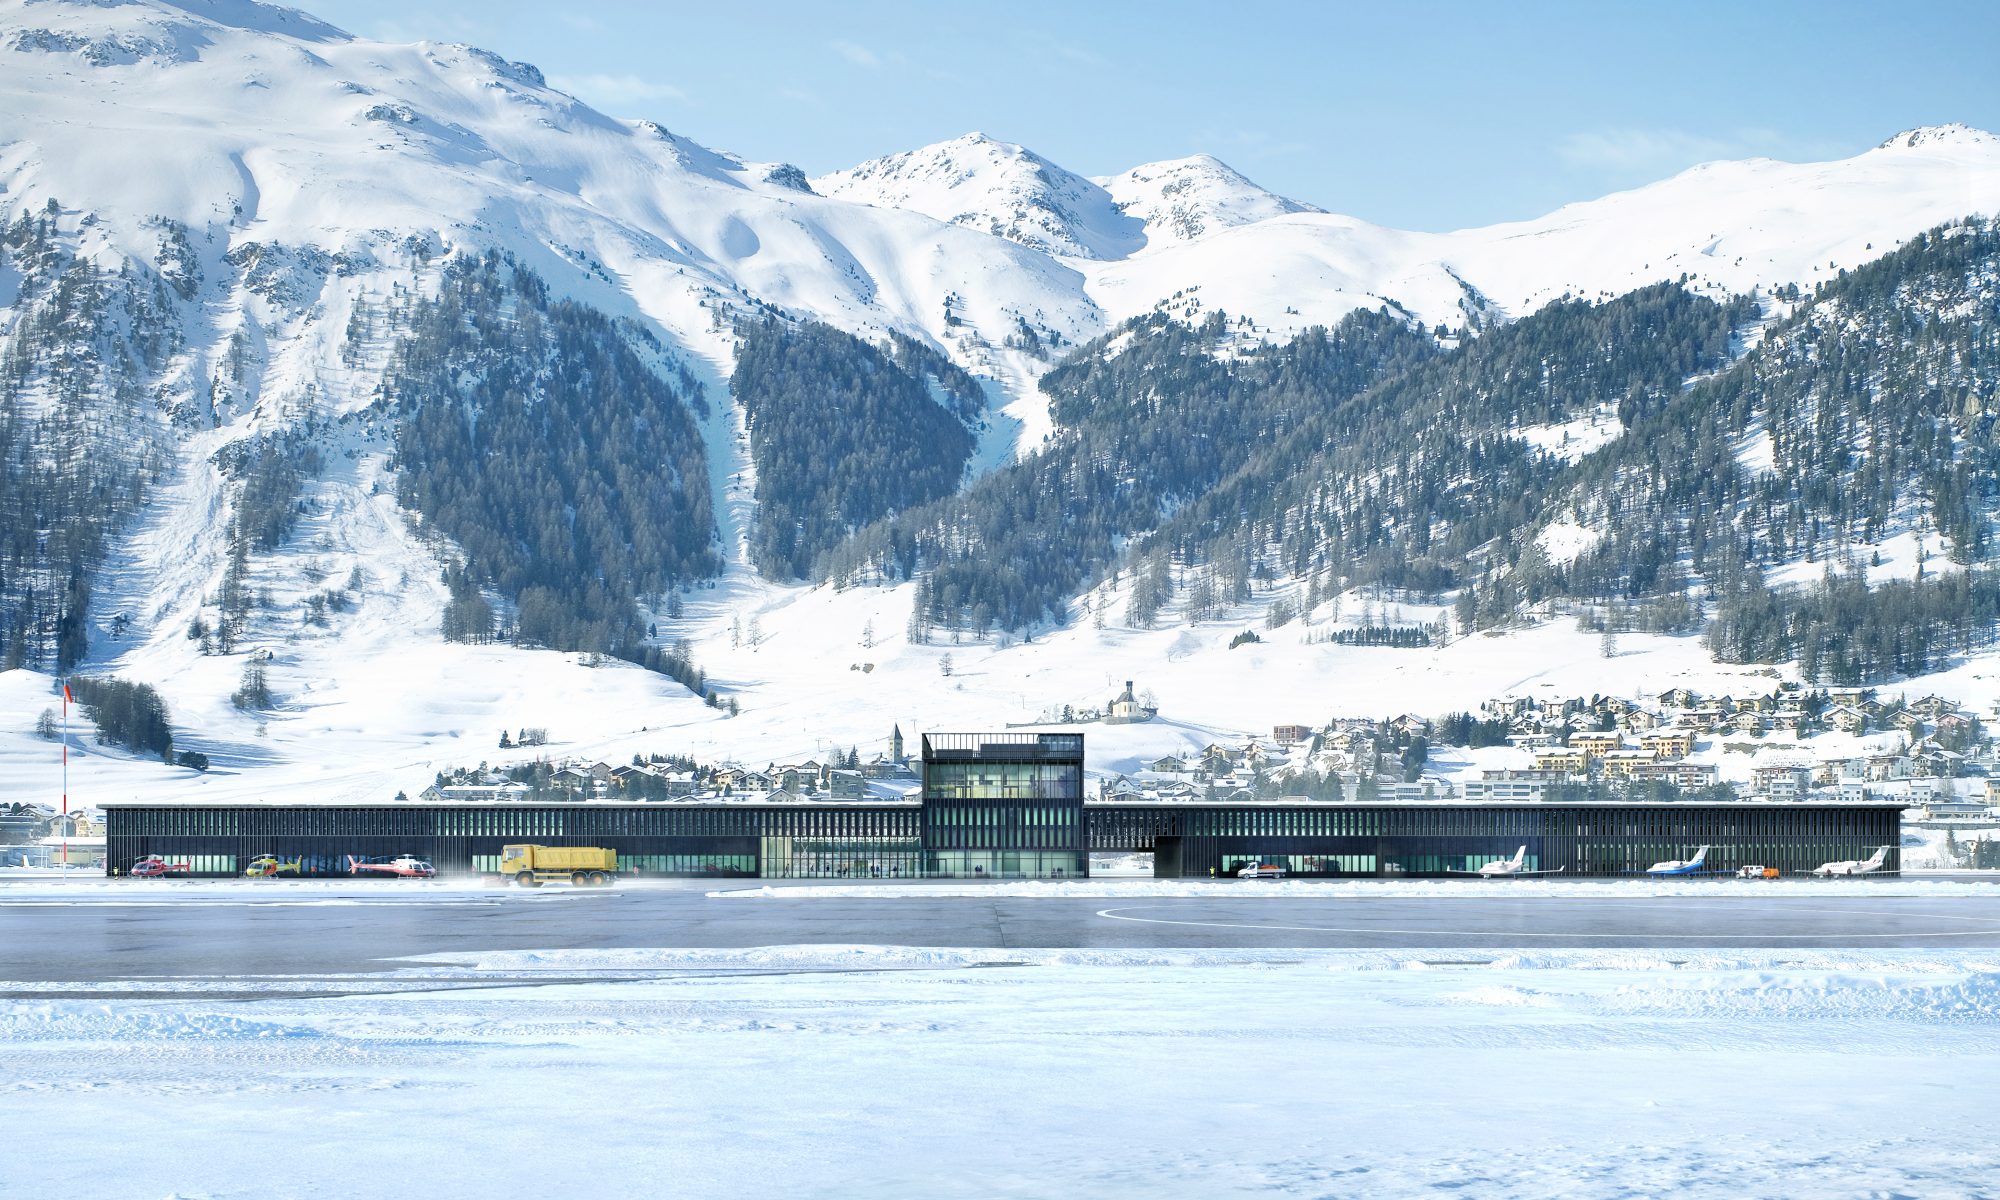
x: 999, y: 188
x: 259, y: 198
x: 1182, y: 199
x: 1012, y: 192
x: 1727, y: 227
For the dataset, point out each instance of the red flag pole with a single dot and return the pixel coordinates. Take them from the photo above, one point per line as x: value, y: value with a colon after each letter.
x: 65, y: 776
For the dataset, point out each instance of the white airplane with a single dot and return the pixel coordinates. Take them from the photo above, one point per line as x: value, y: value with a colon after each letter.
x: 1675, y: 866
x: 1507, y: 868
x: 1853, y: 866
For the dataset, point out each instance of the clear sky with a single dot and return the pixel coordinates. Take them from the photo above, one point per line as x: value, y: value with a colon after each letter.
x: 1415, y: 114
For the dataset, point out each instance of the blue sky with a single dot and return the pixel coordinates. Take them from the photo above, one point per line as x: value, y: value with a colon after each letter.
x: 1420, y: 115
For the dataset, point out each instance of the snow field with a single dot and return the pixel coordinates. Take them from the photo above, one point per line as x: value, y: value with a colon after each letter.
x: 880, y: 1071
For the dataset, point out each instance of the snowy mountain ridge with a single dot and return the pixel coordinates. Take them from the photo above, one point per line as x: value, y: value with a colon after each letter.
x: 267, y: 199
x: 1011, y: 192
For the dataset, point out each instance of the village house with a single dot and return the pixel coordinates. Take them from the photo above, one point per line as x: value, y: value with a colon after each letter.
x: 1571, y: 762
x: 1783, y: 781
x: 1595, y: 743
x: 1669, y: 743
x: 1622, y: 763
x: 1846, y: 718
x: 1289, y: 735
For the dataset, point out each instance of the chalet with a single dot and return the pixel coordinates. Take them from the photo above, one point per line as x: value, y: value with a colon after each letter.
x: 1411, y: 725
x: 741, y: 779
x: 845, y: 784
x: 1954, y: 724
x: 573, y: 777
x: 1750, y: 721
x: 1846, y: 718
x: 1121, y: 788
x: 1531, y: 741
x: 1678, y: 698
x: 1932, y: 707
x: 1850, y: 695
x: 1791, y: 720
x: 627, y: 776
x: 1639, y: 720
x: 1168, y: 765
x: 1707, y: 717
x: 1907, y: 721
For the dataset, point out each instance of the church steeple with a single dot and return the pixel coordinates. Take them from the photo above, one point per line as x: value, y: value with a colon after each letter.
x: 896, y: 743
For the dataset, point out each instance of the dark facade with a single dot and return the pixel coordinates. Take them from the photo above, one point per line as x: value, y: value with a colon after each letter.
x: 1004, y: 806
x: 1010, y: 805
x: 1585, y: 840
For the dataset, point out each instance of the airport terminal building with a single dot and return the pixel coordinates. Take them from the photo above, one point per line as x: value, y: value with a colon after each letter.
x: 1006, y: 806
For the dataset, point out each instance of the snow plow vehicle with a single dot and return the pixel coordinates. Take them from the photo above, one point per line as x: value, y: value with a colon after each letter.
x: 533, y: 866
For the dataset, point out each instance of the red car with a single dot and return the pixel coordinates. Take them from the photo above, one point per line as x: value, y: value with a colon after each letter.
x: 155, y: 867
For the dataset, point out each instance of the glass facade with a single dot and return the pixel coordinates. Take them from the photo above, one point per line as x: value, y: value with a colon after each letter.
x: 1441, y: 839
x: 1004, y: 806
x: 1009, y: 806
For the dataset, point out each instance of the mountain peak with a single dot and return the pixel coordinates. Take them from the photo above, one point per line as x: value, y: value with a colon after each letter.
x: 997, y: 187
x: 1952, y: 133
x: 1182, y: 199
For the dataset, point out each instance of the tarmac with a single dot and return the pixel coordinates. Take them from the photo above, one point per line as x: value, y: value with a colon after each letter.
x: 153, y: 931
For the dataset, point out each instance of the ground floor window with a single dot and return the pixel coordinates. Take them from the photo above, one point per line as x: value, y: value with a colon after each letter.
x: 1006, y: 864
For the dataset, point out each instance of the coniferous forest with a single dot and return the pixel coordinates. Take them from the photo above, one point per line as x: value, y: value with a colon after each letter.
x: 842, y: 434
x: 570, y: 473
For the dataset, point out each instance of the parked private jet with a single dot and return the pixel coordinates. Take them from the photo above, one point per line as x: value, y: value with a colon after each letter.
x: 1507, y: 868
x: 1675, y: 866
x: 1856, y: 866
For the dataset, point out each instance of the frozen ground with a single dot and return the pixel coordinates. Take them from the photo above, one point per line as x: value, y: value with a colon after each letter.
x: 885, y: 1072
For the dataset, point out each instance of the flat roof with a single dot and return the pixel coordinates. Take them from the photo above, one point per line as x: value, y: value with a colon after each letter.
x: 914, y: 802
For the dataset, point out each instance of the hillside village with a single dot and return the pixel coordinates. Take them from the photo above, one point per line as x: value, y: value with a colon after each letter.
x: 1793, y: 744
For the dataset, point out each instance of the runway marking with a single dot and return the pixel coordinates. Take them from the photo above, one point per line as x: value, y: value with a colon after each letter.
x: 1114, y: 914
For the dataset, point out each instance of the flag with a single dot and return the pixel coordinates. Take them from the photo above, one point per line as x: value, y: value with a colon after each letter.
x: 67, y: 698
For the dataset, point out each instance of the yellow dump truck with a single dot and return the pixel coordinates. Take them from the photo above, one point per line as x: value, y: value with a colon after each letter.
x: 533, y: 866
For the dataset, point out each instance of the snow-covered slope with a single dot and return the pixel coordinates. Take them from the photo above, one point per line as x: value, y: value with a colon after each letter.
x: 290, y: 184
x: 1182, y: 199
x: 999, y: 188
x: 1728, y: 227
x: 1012, y: 192
x: 253, y: 123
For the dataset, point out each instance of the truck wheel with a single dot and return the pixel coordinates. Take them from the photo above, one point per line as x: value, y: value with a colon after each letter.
x: 525, y: 879
x: 579, y: 880
x: 599, y: 879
